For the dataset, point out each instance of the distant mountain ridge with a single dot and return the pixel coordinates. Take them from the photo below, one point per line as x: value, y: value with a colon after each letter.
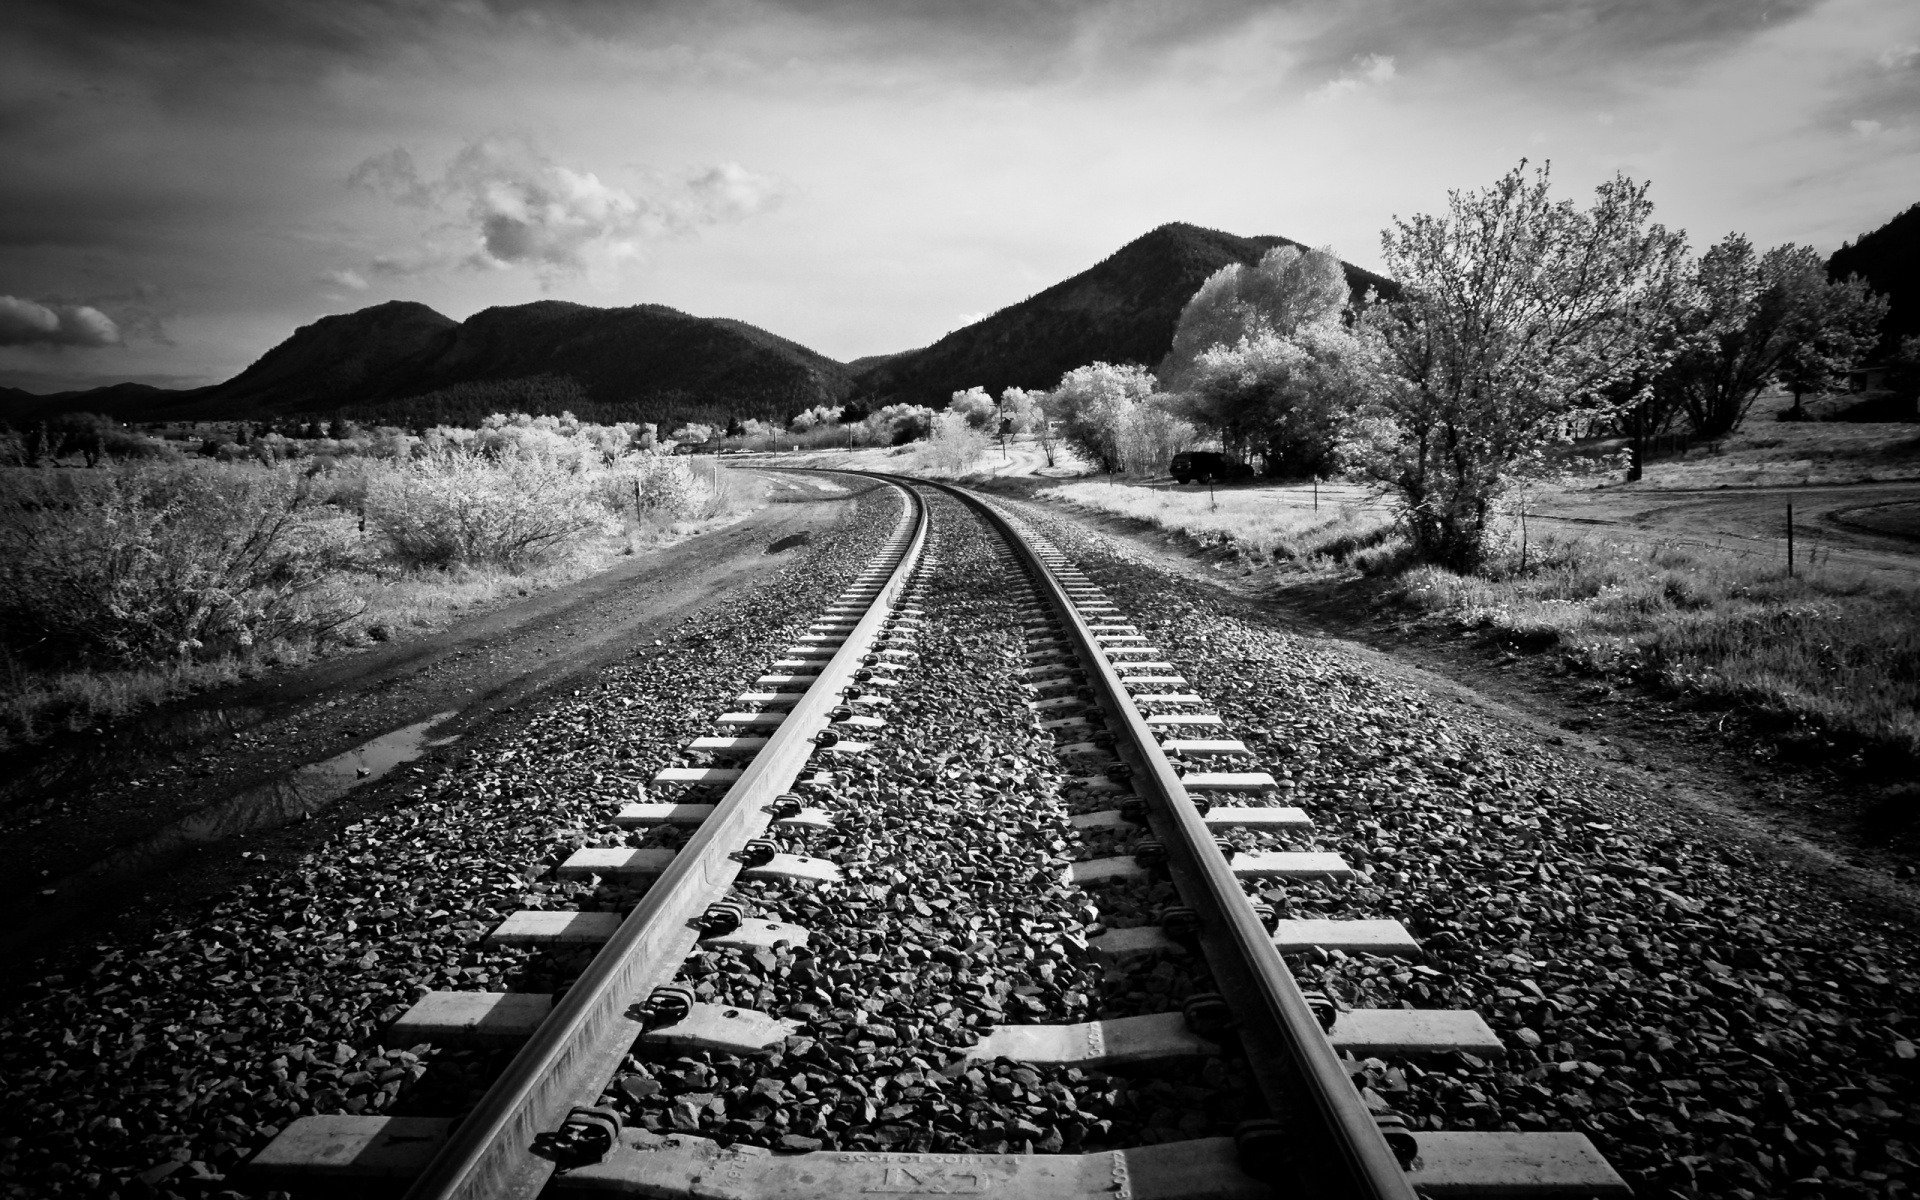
x: 1122, y: 309
x: 402, y: 361
x: 644, y: 362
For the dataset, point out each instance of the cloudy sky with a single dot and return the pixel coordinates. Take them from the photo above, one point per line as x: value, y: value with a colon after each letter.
x: 187, y: 181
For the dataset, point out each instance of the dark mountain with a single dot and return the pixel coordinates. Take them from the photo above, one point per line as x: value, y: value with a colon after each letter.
x: 402, y: 361
x: 1889, y: 260
x: 642, y: 362
x: 1123, y: 310
x: 126, y: 401
x: 337, y: 361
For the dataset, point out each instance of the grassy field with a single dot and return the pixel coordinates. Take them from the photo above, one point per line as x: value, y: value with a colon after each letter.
x: 1766, y: 451
x: 1265, y: 523
x: 109, y: 577
x: 1831, y: 651
x: 1835, y: 654
x: 34, y: 702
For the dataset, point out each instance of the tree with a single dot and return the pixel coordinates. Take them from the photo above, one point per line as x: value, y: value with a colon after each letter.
x: 1024, y: 409
x: 976, y: 407
x: 1286, y: 394
x: 1518, y: 313
x: 1842, y: 325
x: 1903, y: 370
x: 735, y: 428
x: 895, y: 425
x: 1285, y: 291
x: 1092, y: 403
x: 1113, y: 417
x: 1748, y: 314
x: 1028, y: 415
x: 815, y: 417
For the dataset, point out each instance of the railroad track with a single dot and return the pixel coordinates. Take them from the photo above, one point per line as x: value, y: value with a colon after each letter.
x: 1159, y: 810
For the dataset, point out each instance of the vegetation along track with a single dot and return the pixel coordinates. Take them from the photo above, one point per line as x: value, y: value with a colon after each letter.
x: 920, y: 919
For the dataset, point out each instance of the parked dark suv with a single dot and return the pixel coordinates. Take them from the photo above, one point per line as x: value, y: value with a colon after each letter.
x: 1205, y: 466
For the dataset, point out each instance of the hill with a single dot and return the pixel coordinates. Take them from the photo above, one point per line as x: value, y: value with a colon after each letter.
x: 403, y: 362
x: 647, y: 362
x: 1889, y: 260
x: 1122, y: 310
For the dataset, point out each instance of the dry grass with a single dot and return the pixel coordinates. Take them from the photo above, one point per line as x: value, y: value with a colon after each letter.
x: 1277, y: 523
x: 1766, y: 451
x: 38, y: 700
x: 1827, y: 650
x: 1834, y: 654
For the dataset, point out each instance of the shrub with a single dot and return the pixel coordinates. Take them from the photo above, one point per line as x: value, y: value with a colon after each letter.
x: 1115, y: 419
x: 895, y: 425
x: 667, y: 485
x: 952, y: 447
x: 151, y: 563
x: 459, y: 507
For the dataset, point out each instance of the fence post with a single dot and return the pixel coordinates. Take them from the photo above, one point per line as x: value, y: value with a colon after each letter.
x: 1789, y: 539
x: 1316, y: 493
x: 1523, y: 535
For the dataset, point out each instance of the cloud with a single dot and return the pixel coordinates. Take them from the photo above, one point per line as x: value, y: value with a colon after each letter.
x: 730, y: 192
x: 1868, y: 129
x: 1899, y: 58
x: 347, y: 278
x: 29, y: 323
x: 1369, y: 70
x: 515, y: 207
x: 394, y: 176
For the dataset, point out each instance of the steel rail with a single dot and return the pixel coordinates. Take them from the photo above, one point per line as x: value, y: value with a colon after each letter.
x: 569, y: 1059
x: 1339, y: 1150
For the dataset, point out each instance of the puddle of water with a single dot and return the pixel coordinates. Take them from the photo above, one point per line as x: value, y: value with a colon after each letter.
x: 66, y: 767
x: 277, y: 802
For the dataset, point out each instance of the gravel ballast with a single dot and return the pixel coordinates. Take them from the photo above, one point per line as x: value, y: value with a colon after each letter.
x: 153, y: 1067
x: 1720, y: 1025
x: 954, y: 917
x: 1719, y: 1022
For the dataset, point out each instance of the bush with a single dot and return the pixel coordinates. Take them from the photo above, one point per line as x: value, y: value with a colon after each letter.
x: 670, y: 486
x: 459, y: 507
x: 146, y: 564
x: 952, y: 447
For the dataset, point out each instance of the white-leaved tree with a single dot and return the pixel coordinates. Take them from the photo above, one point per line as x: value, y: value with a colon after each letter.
x: 1519, y: 315
x: 977, y: 408
x: 1286, y: 394
x: 819, y: 416
x: 1286, y: 290
x: 1116, y: 420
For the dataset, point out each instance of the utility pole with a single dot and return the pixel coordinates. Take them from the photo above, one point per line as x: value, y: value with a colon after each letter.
x: 1789, y: 539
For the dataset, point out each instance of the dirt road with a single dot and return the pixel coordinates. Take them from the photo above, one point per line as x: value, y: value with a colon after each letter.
x: 1869, y: 526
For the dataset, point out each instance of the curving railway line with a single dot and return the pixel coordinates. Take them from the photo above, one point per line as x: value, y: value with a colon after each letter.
x: 1141, y: 891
